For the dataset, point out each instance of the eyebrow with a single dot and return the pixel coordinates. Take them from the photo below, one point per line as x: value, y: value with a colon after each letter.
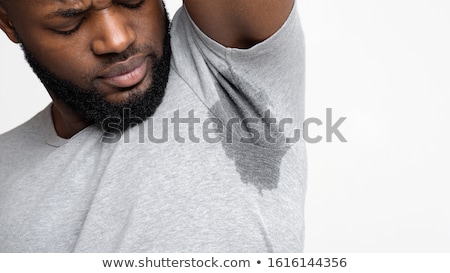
x: 66, y: 13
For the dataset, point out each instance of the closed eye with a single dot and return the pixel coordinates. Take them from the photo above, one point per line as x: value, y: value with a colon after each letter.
x: 133, y: 6
x: 77, y: 27
x: 71, y: 31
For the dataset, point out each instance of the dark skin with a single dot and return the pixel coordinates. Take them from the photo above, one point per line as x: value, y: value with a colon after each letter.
x: 75, y: 39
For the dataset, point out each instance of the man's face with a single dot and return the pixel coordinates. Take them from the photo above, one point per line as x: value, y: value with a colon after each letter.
x: 97, y: 56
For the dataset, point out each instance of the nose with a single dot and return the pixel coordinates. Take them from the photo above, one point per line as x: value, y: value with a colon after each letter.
x: 113, y: 34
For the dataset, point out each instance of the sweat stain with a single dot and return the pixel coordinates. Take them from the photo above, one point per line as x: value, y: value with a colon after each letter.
x: 256, y: 157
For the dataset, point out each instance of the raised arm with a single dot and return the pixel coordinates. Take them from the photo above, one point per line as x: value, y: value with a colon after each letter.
x: 239, y: 23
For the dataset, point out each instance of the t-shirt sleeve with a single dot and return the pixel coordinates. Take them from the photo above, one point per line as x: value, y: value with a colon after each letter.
x: 265, y: 81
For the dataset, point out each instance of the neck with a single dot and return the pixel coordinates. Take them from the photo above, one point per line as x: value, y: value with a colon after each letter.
x: 67, y: 122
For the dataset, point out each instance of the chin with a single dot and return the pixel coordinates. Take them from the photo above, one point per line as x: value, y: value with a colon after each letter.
x: 125, y: 96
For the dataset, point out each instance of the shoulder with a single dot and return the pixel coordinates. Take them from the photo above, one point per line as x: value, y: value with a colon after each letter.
x: 19, y: 138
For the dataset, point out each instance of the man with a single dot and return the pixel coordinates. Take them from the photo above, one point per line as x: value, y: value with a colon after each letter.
x: 161, y: 137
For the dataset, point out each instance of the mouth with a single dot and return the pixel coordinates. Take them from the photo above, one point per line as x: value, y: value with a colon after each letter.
x: 126, y: 74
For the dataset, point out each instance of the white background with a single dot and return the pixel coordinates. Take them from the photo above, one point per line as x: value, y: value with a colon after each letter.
x: 384, y: 65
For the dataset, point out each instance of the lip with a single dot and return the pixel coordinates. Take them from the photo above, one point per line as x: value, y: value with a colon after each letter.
x: 126, y: 74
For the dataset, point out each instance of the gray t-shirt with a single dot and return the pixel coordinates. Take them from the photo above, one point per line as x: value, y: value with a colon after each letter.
x: 201, y: 175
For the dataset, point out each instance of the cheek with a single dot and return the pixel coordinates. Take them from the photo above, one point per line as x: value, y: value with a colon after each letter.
x: 69, y: 59
x: 73, y: 64
x: 60, y: 55
x: 151, y: 27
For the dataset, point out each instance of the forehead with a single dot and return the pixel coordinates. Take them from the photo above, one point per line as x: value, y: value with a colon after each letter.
x: 43, y: 8
x: 68, y: 2
x: 33, y: 4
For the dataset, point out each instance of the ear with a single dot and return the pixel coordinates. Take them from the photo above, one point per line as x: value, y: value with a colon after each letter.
x: 7, y: 26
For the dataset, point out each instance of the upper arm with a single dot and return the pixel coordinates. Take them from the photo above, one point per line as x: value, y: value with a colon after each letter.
x: 239, y: 23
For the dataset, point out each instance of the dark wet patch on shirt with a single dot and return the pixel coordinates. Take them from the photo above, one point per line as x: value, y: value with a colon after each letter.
x: 257, y: 158
x: 256, y: 165
x: 250, y: 137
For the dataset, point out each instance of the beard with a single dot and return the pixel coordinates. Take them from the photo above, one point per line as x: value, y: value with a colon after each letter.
x: 94, y: 107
